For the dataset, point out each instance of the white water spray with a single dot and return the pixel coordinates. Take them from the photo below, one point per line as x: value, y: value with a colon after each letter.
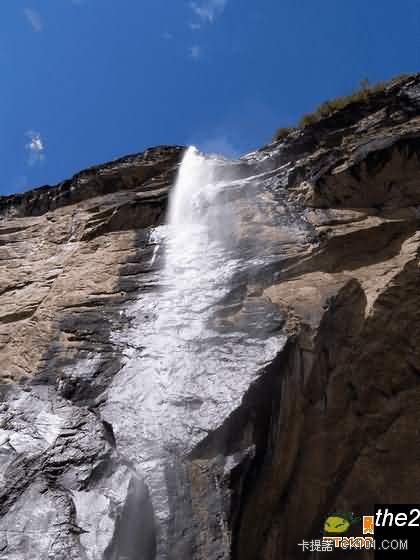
x: 198, y: 266
x: 196, y: 174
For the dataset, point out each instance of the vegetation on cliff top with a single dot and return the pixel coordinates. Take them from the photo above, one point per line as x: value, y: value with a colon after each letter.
x: 326, y: 108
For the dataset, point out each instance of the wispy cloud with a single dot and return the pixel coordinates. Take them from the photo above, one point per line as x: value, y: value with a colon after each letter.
x: 195, y: 52
x: 195, y: 26
x: 34, y: 19
x: 208, y: 10
x: 35, y: 147
x: 167, y: 36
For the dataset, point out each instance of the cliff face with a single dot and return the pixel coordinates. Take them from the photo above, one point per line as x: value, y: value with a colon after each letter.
x: 304, y: 399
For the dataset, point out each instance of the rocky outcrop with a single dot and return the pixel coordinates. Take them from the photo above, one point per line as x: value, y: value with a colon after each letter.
x: 71, y: 258
x: 303, y: 394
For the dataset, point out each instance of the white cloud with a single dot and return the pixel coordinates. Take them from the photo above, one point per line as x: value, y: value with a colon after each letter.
x: 195, y: 52
x: 208, y: 10
x: 195, y: 26
x: 35, y: 147
x: 34, y: 19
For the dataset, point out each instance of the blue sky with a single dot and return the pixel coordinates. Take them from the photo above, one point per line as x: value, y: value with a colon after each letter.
x: 85, y: 81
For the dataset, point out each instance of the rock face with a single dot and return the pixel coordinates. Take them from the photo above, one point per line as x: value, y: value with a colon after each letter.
x: 125, y: 435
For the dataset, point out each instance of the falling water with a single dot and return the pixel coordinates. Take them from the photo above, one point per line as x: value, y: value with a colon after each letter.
x: 187, y: 366
x: 195, y: 174
x: 198, y: 262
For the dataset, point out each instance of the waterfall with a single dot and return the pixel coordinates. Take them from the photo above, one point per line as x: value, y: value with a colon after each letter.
x: 195, y: 175
x: 197, y: 337
x: 198, y: 263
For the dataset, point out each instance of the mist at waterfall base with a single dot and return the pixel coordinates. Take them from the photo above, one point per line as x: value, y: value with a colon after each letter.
x: 200, y: 332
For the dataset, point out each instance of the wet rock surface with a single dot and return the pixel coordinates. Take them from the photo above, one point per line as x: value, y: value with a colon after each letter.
x: 136, y: 426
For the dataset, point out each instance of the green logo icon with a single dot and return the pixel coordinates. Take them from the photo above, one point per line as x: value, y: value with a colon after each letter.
x: 339, y: 523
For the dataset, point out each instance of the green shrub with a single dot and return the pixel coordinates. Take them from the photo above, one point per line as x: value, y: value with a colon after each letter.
x: 307, y: 118
x: 326, y: 108
x: 282, y: 132
x: 360, y: 95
